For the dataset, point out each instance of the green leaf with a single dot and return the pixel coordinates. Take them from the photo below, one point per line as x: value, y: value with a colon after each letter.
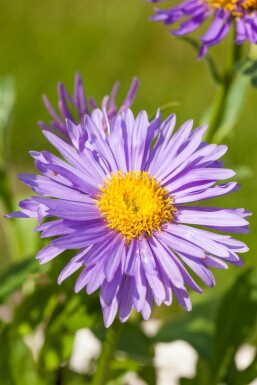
x: 148, y: 374
x: 236, y: 319
x: 117, y: 380
x: 136, y: 344
x: 120, y: 367
x: 23, y: 366
x: 6, y: 377
x: 56, y: 350
x: 31, y: 310
x: 16, y: 362
x: 133, y: 342
x: 202, y: 374
x: 13, y: 278
x: 70, y: 314
x: 246, y: 376
x: 196, y: 328
x: 63, y: 318
x: 58, y: 311
x: 67, y: 377
x: 232, y: 109
x: 248, y: 68
x: 134, y: 353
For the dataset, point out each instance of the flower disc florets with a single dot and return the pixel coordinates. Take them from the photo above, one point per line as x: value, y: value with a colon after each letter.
x: 134, y: 204
x: 235, y: 7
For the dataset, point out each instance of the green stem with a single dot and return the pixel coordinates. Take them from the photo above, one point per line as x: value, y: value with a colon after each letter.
x: 219, y: 105
x: 110, y: 343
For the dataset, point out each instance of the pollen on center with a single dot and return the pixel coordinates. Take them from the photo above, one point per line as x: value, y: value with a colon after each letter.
x: 235, y: 7
x: 134, y: 204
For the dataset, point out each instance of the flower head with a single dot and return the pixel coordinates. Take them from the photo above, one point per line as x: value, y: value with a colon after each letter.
x: 224, y: 12
x: 75, y: 107
x: 125, y: 197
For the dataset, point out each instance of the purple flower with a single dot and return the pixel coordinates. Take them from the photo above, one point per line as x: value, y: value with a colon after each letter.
x: 224, y: 12
x: 81, y: 105
x: 128, y: 208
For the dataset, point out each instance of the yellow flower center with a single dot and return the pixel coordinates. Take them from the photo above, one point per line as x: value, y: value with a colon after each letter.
x: 135, y: 204
x: 235, y: 7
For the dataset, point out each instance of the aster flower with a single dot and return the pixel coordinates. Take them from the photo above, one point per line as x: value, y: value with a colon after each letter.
x: 224, y: 13
x: 128, y: 208
x: 75, y: 107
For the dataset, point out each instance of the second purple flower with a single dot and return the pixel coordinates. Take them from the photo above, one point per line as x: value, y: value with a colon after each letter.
x: 224, y: 13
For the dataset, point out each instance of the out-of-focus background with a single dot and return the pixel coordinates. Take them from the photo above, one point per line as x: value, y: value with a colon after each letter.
x: 43, y: 42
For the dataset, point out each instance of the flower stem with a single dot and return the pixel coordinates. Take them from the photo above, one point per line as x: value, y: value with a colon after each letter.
x: 110, y: 343
x: 219, y: 104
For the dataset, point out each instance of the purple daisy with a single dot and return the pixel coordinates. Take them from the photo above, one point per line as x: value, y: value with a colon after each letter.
x: 80, y: 104
x: 126, y: 206
x: 225, y: 12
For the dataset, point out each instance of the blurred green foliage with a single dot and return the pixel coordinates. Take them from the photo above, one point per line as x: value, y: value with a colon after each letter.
x: 216, y: 329
x: 41, y: 43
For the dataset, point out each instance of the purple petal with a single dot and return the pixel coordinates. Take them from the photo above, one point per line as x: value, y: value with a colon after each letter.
x: 109, y: 312
x: 199, y: 268
x: 74, y: 265
x: 140, y: 288
x: 198, y: 238
x: 125, y: 301
x: 218, y: 28
x: 193, y: 23
x: 82, y: 238
x: 147, y: 307
x: 190, y: 147
x: 114, y: 259
x: 210, y: 217
x: 166, y: 261
x: 215, y: 262
x: 198, y: 175
x: 183, y: 298
x: 157, y: 287
x: 46, y: 187
x: 48, y: 253
x: 130, y: 95
x: 110, y: 289
x: 76, y: 211
x: 211, y: 192
x: 146, y: 257
x: 180, y: 244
